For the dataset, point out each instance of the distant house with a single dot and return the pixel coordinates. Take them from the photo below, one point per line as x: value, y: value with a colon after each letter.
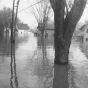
x: 49, y: 29
x: 84, y: 32
x: 22, y: 28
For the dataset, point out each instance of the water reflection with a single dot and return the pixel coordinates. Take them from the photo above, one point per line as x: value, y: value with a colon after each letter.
x: 29, y: 63
x: 13, y: 79
x: 5, y: 43
x: 43, y: 47
x: 78, y: 68
x: 44, y: 67
x: 46, y: 46
x: 60, y: 79
x: 5, y: 48
x: 34, y: 69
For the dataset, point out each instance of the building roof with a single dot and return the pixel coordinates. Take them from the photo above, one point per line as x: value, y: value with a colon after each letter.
x: 83, y: 27
x: 22, y: 26
x: 50, y: 26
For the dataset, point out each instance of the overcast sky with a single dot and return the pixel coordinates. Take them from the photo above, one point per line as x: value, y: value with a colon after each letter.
x: 27, y: 17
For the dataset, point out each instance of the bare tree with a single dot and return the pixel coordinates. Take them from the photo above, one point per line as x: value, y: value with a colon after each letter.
x: 41, y: 12
x: 66, y: 16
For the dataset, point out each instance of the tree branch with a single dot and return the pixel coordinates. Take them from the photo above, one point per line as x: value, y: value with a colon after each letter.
x: 74, y: 16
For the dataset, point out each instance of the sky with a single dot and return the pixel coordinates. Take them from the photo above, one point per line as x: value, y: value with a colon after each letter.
x: 26, y: 16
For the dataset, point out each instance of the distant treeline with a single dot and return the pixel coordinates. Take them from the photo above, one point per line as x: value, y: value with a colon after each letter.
x: 5, y: 18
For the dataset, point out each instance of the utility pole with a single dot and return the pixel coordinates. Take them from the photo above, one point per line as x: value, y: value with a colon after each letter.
x: 12, y: 23
x: 16, y: 17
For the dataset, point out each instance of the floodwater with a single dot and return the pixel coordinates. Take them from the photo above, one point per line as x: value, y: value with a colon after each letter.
x: 29, y: 63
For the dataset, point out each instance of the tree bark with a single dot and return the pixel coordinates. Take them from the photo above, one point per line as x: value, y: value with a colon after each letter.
x: 61, y: 52
x: 64, y: 27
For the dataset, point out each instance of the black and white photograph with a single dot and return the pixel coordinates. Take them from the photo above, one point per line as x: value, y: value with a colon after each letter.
x: 43, y: 43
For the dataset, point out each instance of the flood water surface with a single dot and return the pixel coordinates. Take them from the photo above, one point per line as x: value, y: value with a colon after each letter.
x: 29, y: 63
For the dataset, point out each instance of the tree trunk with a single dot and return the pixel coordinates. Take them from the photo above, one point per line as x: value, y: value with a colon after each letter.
x: 61, y: 49
x: 61, y: 52
x: 64, y: 27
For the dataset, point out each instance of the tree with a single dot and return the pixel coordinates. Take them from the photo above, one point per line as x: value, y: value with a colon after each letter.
x: 41, y: 12
x: 66, y: 15
x: 1, y: 23
x: 5, y: 18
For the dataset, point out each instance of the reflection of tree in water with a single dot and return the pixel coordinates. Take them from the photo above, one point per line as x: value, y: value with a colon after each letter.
x: 5, y: 43
x: 43, y: 69
x: 13, y: 79
x: 21, y: 39
x: 40, y: 66
x: 71, y: 76
x: 60, y: 79
x: 5, y: 49
x: 49, y: 41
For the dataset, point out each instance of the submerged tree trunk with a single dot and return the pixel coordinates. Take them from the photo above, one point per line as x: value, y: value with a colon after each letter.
x: 65, y: 24
x: 61, y: 51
